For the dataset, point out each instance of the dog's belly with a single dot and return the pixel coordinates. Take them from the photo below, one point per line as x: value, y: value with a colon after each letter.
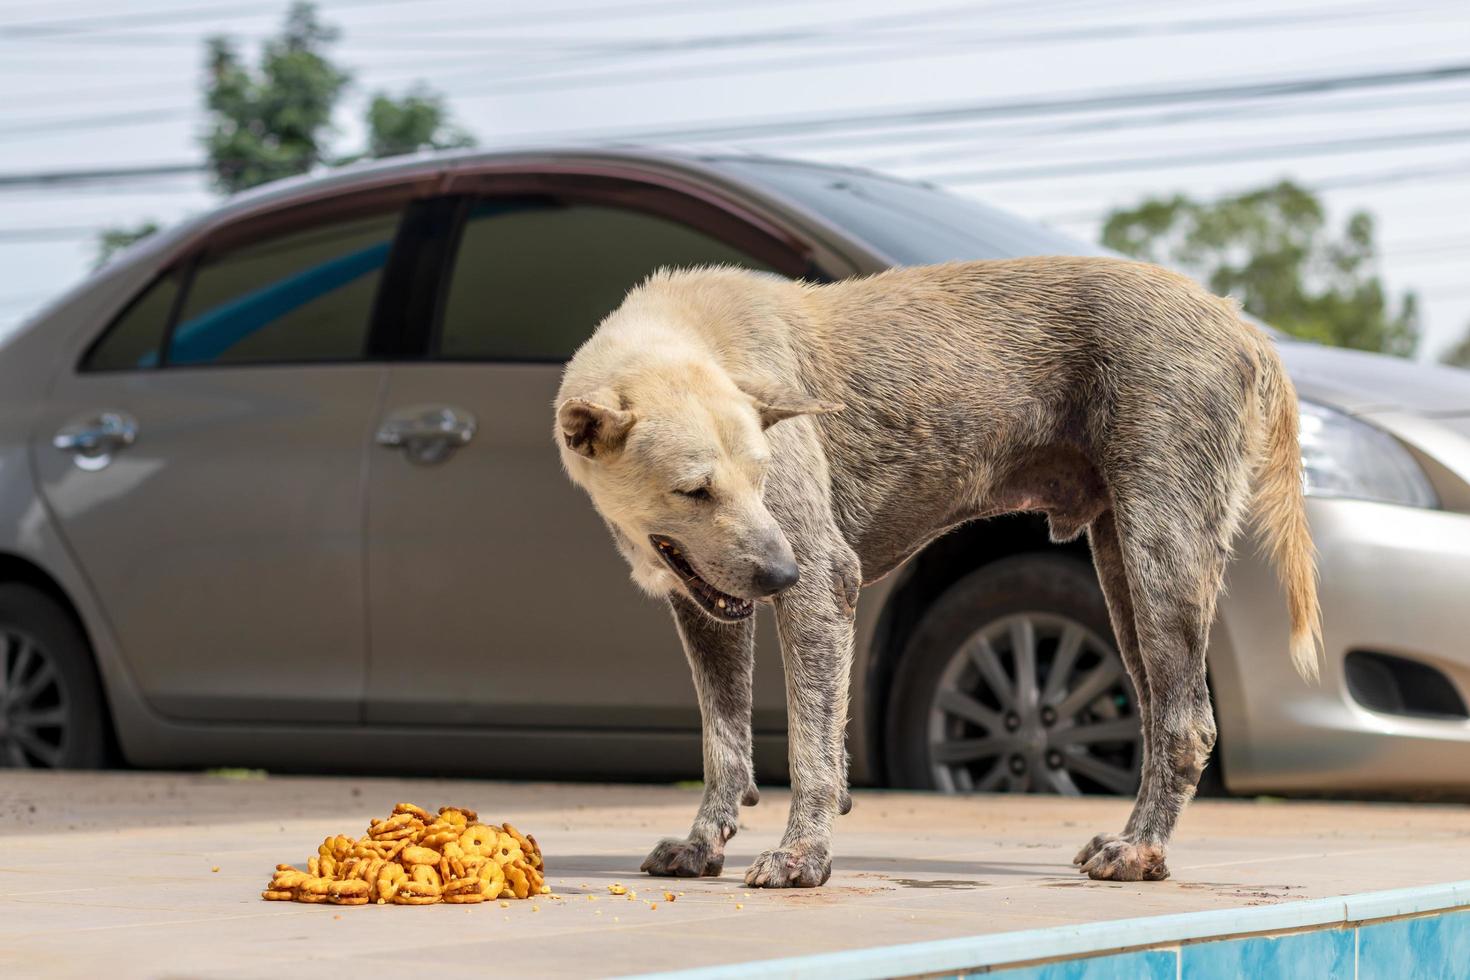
x: 1059, y: 481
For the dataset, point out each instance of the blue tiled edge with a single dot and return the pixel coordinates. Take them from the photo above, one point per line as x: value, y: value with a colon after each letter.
x: 961, y: 956
x: 1148, y: 964
x: 1433, y: 947
x: 1324, y: 954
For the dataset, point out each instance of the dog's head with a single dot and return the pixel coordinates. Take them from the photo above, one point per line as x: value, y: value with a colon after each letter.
x: 675, y: 458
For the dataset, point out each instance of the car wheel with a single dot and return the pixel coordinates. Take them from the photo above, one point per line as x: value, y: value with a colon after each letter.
x: 50, y: 703
x: 1011, y: 683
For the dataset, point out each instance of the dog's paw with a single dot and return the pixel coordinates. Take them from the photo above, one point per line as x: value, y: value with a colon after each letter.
x: 797, y: 867
x: 1093, y: 846
x: 675, y: 857
x: 1123, y: 860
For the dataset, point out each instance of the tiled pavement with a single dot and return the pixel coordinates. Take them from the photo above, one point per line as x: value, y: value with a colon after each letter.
x: 111, y: 873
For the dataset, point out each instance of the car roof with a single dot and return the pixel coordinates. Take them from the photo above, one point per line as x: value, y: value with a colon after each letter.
x: 1317, y: 369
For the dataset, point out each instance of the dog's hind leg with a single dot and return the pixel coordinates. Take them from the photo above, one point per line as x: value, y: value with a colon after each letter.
x: 814, y: 620
x: 722, y: 656
x: 1175, y: 561
x: 1107, y: 558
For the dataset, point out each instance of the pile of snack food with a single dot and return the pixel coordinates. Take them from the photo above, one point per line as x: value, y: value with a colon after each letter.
x: 416, y: 858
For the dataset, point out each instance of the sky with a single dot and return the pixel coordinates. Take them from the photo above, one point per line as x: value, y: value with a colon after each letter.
x: 1054, y: 109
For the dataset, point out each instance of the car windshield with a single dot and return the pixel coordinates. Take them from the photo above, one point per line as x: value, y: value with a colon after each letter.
x: 911, y: 224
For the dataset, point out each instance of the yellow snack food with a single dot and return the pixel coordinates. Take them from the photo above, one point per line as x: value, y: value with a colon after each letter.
x: 413, y: 857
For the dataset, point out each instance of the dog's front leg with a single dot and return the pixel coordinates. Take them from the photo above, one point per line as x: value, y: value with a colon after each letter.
x: 722, y: 656
x: 814, y: 620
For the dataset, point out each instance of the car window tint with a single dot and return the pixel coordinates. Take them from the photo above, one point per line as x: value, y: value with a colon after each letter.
x: 304, y: 296
x: 135, y: 337
x: 533, y: 277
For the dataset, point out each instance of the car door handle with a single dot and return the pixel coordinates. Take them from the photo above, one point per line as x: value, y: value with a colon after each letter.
x: 427, y: 433
x: 94, y: 439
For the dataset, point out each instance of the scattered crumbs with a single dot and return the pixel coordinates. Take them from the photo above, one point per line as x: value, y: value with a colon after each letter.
x: 535, y: 908
x: 337, y: 918
x: 617, y: 889
x: 591, y: 897
x: 652, y: 906
x: 505, y: 905
x: 215, y: 869
x: 740, y: 905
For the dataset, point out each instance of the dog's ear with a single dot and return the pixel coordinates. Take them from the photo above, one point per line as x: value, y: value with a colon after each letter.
x: 775, y: 403
x: 591, y: 428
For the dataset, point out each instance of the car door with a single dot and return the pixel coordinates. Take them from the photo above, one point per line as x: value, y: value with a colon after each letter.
x: 496, y: 595
x: 205, y: 461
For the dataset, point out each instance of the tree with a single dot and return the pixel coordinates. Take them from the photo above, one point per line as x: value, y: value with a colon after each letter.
x: 417, y: 121
x: 1272, y: 249
x: 1458, y: 355
x: 114, y: 240
x: 275, y: 120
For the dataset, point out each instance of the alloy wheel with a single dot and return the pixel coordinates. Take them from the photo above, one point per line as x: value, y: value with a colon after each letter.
x: 1035, y: 703
x: 33, y: 704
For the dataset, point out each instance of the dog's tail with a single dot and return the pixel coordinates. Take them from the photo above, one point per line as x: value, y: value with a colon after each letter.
x: 1281, y: 517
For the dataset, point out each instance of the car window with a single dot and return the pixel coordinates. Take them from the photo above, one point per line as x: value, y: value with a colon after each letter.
x: 303, y: 296
x: 533, y: 276
x: 135, y: 337
x: 912, y: 224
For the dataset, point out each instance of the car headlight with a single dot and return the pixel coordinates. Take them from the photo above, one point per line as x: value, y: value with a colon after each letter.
x: 1343, y: 457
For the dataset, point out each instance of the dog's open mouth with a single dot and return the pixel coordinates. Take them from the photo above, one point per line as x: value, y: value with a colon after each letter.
x: 719, y: 604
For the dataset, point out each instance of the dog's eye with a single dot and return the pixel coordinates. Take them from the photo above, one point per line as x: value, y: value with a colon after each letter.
x: 699, y: 493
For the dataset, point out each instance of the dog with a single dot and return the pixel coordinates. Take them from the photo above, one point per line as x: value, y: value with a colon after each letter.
x: 752, y: 439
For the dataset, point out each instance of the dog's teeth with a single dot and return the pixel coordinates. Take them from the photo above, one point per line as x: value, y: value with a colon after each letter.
x: 720, y: 603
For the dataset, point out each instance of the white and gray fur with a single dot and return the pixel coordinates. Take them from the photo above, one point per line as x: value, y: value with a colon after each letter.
x: 753, y: 421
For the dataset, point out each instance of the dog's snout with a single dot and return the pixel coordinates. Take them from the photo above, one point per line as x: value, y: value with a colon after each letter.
x: 776, y: 576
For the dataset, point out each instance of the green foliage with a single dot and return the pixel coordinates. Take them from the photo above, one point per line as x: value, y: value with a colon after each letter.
x: 274, y: 121
x: 417, y: 121
x: 1271, y: 249
x: 114, y: 240
x: 1459, y: 354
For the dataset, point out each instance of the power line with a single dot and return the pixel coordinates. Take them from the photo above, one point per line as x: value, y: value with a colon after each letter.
x: 57, y: 234
x: 1398, y: 175
x: 642, y: 74
x: 971, y: 40
x: 1043, y: 106
x: 70, y: 26
x: 45, y: 178
x: 581, y: 50
x: 955, y: 146
x: 766, y: 129
x: 1274, y: 151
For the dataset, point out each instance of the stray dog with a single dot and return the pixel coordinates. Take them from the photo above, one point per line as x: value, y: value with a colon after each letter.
x: 747, y: 438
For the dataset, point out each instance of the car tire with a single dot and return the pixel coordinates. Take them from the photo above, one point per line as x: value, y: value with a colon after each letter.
x: 51, y: 709
x: 958, y: 720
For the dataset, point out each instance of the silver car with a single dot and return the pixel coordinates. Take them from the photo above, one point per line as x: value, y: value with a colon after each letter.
x: 277, y: 489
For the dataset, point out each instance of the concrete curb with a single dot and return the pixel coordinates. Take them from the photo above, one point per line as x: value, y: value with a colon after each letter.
x: 1097, y: 938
